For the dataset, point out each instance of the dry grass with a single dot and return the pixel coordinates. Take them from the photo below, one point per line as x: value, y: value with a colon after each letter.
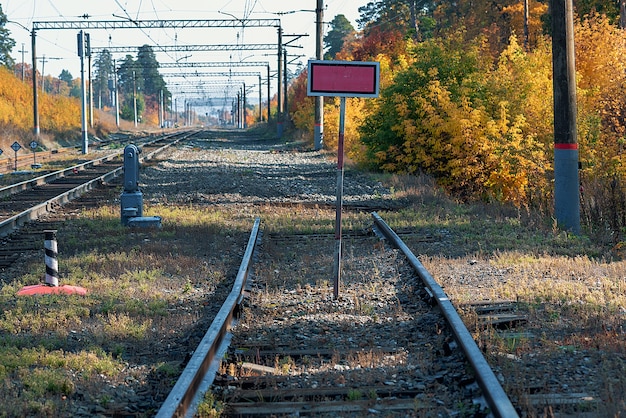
x: 573, y: 287
x: 143, y: 285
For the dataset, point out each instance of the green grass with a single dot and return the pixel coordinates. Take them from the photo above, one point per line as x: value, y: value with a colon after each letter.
x: 137, y: 281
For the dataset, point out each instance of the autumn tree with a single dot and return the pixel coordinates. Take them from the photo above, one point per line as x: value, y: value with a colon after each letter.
x: 452, y: 115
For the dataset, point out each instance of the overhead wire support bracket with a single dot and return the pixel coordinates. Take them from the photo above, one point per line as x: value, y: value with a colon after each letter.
x: 191, y: 48
x: 156, y: 24
x: 225, y: 64
x: 214, y: 74
x: 295, y: 38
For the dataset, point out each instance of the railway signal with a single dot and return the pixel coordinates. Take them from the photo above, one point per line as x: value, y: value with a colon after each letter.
x: 84, y: 50
x: 131, y: 200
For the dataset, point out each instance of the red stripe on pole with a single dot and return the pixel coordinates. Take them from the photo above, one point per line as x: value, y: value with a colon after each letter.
x: 566, y: 146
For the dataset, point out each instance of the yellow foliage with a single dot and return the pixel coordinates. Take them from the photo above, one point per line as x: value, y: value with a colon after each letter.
x: 56, y: 113
x: 353, y: 119
x: 536, y: 10
x: 15, y: 100
x: 600, y: 47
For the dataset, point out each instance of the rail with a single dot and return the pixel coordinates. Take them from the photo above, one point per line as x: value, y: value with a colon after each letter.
x: 185, y: 394
x: 10, y: 224
x: 494, y: 394
x: 47, y: 178
x: 180, y: 400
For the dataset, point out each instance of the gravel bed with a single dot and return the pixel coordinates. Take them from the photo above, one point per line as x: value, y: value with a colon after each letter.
x: 387, y: 341
x: 544, y: 357
x: 247, y: 174
x: 251, y: 171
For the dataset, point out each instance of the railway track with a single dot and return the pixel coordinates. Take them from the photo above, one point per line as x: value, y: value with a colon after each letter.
x: 29, y: 199
x: 383, y: 348
x: 26, y: 159
x: 287, y: 358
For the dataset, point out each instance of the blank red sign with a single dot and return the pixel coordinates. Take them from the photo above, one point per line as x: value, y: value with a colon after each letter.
x: 343, y: 78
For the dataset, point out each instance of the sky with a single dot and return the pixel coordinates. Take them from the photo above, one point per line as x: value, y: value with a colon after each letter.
x: 57, y: 50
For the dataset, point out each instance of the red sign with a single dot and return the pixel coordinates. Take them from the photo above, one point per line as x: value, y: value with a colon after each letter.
x: 343, y: 78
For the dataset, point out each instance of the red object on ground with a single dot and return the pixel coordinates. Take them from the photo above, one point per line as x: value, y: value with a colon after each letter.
x: 42, y: 289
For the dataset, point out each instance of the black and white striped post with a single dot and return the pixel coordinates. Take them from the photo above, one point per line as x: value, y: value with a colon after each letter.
x: 51, y: 253
x: 50, y: 285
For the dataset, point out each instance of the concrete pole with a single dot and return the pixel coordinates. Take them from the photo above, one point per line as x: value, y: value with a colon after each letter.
x: 135, y: 99
x: 269, y: 95
x: 319, y: 100
x: 566, y: 181
x: 23, y: 69
x: 285, y: 101
x: 260, y: 100
x: 90, y: 90
x: 279, y: 110
x: 117, y: 99
x: 244, y: 122
x: 83, y: 88
x: 35, y: 97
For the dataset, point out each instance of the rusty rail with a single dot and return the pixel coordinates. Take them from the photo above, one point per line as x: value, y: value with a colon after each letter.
x: 181, y: 398
x: 492, y: 390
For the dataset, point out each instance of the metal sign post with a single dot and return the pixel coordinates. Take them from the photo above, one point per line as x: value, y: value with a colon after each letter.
x: 16, y: 147
x: 33, y: 146
x: 339, y: 208
x: 342, y: 79
x: 84, y: 50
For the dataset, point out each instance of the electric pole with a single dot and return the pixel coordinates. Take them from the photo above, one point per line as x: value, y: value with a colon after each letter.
x: 319, y: 100
x: 566, y: 182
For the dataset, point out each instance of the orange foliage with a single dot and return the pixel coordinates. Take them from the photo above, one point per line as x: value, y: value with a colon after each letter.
x: 600, y: 48
x: 377, y: 42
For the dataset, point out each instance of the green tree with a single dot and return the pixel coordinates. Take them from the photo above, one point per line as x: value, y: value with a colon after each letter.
x: 149, y: 70
x: 129, y: 78
x: 154, y: 85
x: 411, y: 17
x: 6, y: 42
x: 103, y: 78
x: 64, y: 84
x: 131, y: 87
x: 341, y: 30
x: 66, y: 76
